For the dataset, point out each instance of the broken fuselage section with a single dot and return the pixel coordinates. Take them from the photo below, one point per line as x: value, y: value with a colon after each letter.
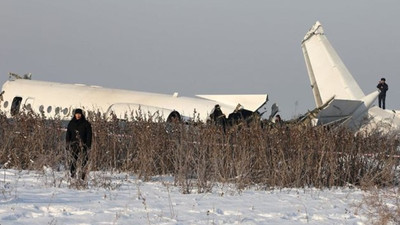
x: 58, y: 100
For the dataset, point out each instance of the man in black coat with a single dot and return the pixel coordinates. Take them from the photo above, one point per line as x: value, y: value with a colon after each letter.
x: 79, y: 140
x: 383, y: 88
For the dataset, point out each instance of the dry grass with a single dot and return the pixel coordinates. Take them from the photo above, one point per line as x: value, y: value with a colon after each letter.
x: 382, y: 206
x: 199, y: 155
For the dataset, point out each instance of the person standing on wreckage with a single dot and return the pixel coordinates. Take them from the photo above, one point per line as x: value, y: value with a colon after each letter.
x: 383, y: 88
x: 79, y: 141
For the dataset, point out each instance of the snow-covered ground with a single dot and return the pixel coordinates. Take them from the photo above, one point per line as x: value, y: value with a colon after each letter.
x: 49, y: 197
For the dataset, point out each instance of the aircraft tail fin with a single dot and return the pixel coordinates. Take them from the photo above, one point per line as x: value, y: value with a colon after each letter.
x: 328, y: 75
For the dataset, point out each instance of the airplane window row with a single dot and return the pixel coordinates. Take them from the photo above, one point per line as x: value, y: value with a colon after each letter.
x: 15, y: 106
x: 57, y: 110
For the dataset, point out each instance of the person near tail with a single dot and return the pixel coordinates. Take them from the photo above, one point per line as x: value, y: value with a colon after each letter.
x: 79, y: 141
x: 383, y: 88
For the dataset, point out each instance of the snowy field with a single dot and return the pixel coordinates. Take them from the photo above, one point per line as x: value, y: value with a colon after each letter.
x: 52, y: 198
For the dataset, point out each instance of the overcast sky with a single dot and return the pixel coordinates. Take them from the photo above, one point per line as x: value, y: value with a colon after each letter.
x: 199, y: 47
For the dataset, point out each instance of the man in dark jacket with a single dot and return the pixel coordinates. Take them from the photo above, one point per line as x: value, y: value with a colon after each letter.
x: 79, y: 140
x: 383, y: 88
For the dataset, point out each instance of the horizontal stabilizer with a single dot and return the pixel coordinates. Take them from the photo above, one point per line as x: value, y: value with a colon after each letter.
x: 338, y: 109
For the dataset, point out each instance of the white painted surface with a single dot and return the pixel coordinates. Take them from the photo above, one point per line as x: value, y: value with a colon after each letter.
x: 323, y: 63
x: 329, y: 78
x: 66, y: 97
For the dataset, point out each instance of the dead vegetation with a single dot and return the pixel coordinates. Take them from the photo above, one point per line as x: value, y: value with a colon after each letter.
x: 381, y: 206
x: 198, y: 155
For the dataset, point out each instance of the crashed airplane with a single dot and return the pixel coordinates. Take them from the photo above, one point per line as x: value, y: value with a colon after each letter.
x: 58, y: 100
x: 337, y: 95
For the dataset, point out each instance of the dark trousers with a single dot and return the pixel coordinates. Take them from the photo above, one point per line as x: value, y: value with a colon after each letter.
x: 381, y: 99
x: 79, y: 155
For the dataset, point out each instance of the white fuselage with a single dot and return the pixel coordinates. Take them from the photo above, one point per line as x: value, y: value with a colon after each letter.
x: 59, y: 100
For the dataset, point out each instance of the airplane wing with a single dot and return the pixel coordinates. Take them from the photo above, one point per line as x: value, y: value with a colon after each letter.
x: 328, y: 75
x: 249, y: 102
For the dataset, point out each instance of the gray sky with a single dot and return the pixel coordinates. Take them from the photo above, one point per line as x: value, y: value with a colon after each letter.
x: 199, y: 47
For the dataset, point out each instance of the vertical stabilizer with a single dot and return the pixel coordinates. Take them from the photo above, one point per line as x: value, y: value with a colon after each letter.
x: 328, y: 75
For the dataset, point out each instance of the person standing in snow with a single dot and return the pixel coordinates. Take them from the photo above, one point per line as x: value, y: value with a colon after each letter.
x: 79, y: 140
x: 383, y: 88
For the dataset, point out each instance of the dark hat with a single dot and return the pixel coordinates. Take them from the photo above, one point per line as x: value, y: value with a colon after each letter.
x: 78, y: 111
x: 383, y: 79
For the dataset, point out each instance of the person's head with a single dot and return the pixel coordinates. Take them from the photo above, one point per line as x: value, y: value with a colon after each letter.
x: 383, y: 80
x: 278, y: 118
x: 174, y: 117
x: 78, y: 114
